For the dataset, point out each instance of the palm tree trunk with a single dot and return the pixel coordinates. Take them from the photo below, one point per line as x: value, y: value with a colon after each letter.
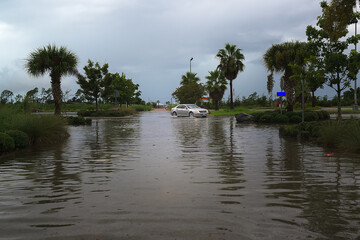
x: 289, y: 86
x: 56, y: 91
x: 231, y: 96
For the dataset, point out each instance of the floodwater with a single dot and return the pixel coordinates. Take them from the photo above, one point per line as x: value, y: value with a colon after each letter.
x: 153, y: 176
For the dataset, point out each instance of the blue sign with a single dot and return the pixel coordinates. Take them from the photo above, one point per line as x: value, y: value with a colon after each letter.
x: 281, y: 94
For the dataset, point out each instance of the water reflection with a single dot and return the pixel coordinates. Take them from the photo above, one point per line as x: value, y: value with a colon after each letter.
x: 153, y: 176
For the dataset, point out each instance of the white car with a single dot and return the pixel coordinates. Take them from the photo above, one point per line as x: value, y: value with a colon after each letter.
x: 189, y: 110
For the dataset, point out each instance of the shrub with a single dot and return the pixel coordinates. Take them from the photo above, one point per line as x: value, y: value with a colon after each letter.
x: 266, y: 118
x: 351, y: 135
x: 330, y: 133
x: 289, y: 130
x: 40, y: 128
x: 6, y: 143
x: 325, y: 114
x: 295, y: 119
x: 310, y: 116
x: 281, y: 118
x: 21, y: 139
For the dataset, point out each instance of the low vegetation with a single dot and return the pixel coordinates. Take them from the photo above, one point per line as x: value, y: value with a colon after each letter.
x: 343, y: 134
x: 19, y: 130
x: 289, y: 117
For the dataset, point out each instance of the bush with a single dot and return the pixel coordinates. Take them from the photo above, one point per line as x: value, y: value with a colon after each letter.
x: 351, y: 135
x: 311, y: 116
x: 40, y: 128
x: 21, y: 139
x: 266, y: 118
x: 6, y: 143
x: 281, y: 118
x: 295, y: 119
x: 289, y: 130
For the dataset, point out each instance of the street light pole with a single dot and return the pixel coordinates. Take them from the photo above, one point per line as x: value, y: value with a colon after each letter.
x: 355, y: 107
x: 190, y: 63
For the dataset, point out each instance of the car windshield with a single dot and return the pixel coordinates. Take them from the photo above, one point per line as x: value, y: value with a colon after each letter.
x: 192, y: 106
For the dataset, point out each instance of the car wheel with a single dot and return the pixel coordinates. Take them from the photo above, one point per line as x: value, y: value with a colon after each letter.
x: 174, y: 114
x: 191, y: 114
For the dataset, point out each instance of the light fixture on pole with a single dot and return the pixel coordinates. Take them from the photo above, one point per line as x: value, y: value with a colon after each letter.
x: 190, y: 63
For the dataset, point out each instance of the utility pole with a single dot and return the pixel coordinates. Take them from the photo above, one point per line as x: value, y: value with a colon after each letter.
x: 355, y: 107
x: 190, y: 63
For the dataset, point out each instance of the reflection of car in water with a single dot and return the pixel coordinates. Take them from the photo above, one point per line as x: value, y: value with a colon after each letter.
x: 189, y: 110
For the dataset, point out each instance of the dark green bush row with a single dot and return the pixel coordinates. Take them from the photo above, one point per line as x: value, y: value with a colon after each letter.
x: 141, y: 108
x: 289, y: 117
x: 78, y: 121
x: 13, y: 139
x: 336, y: 134
x: 110, y: 113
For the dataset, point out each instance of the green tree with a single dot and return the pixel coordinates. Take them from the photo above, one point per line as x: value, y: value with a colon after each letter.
x: 119, y: 88
x: 58, y: 61
x: 312, y: 73
x: 46, y: 95
x: 189, y: 93
x: 216, y: 86
x: 189, y: 77
x: 279, y: 58
x: 31, y: 95
x: 92, y: 82
x: 6, y: 96
x: 231, y: 63
x: 19, y: 98
x: 329, y: 48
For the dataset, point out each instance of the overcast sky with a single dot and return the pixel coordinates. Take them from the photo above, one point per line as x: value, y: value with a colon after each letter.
x: 151, y: 41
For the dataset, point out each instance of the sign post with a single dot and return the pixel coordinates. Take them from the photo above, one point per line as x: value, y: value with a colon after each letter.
x: 281, y: 94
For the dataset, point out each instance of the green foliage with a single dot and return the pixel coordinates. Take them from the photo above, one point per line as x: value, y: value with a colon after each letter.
x: 189, y: 93
x: 351, y: 136
x: 311, y: 116
x: 231, y: 63
x: 5, y: 96
x: 295, y: 119
x: 58, y: 61
x: 189, y: 77
x: 40, y: 128
x: 21, y: 139
x: 330, y: 134
x: 281, y: 118
x: 91, y: 83
x: 289, y: 130
x: 6, y: 143
x: 216, y: 85
x: 76, y: 121
x: 121, y: 89
x: 141, y: 108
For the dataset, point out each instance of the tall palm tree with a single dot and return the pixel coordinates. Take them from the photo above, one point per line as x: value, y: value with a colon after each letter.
x: 216, y: 86
x: 58, y: 61
x: 230, y: 65
x: 279, y: 58
x: 189, y: 77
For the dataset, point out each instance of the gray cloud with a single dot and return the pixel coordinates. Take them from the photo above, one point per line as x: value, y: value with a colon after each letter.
x: 150, y: 41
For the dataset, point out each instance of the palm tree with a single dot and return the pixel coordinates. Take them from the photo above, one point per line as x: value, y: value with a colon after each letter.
x: 58, y: 61
x: 279, y: 58
x: 216, y: 86
x: 230, y: 65
x: 189, y: 77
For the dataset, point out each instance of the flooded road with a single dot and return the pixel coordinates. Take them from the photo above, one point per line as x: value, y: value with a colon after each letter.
x: 153, y: 176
